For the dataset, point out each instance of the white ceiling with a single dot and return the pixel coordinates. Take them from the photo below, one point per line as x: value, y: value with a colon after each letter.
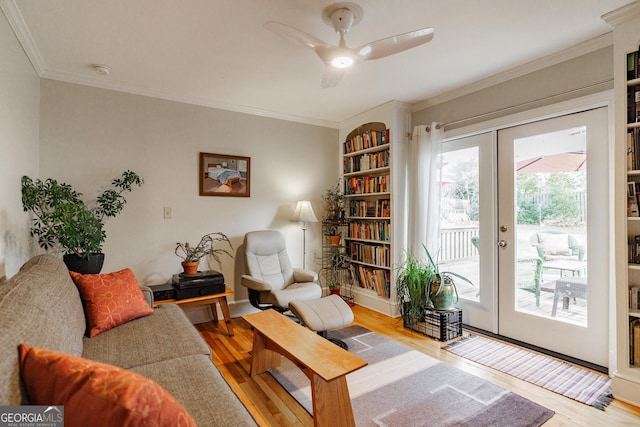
x: 216, y: 52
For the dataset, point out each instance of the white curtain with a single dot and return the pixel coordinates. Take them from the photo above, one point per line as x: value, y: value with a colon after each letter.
x: 424, y: 195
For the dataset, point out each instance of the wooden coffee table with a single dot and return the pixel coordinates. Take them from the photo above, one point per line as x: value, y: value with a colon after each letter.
x: 211, y: 300
x: 323, y: 362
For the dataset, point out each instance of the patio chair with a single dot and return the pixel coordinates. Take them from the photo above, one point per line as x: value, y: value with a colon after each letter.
x: 557, y: 245
x: 528, y: 272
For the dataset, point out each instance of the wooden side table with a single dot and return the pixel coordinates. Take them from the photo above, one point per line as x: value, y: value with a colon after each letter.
x: 211, y: 300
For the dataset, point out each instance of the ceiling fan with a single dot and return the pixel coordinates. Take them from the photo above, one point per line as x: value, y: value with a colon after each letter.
x: 341, y: 17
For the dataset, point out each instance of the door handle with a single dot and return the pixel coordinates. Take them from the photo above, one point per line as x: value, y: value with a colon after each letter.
x: 502, y: 243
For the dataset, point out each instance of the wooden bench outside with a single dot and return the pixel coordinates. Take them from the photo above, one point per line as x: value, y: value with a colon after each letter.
x: 324, y: 363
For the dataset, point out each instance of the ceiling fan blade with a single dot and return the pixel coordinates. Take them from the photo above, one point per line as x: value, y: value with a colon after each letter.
x: 395, y: 44
x: 294, y: 35
x: 331, y: 77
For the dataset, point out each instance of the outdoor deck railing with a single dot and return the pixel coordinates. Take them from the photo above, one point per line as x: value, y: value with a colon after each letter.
x: 455, y: 243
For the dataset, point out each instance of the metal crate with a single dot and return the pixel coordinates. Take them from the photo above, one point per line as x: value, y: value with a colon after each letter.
x: 443, y: 325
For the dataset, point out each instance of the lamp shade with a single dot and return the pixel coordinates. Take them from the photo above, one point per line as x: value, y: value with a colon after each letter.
x: 303, y: 212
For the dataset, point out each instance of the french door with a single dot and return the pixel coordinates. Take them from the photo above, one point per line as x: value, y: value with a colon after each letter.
x: 526, y: 209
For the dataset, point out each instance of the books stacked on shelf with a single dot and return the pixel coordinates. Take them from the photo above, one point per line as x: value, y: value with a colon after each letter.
x: 367, y: 184
x: 634, y: 341
x: 367, y: 139
x: 366, y: 161
x: 370, y: 254
x: 634, y: 297
x: 376, y: 279
x: 370, y: 208
x: 632, y: 199
x: 370, y: 230
x: 633, y: 148
x: 633, y: 91
x: 634, y: 250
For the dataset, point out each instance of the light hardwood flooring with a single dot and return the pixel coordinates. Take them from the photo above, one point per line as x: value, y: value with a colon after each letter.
x: 271, y: 405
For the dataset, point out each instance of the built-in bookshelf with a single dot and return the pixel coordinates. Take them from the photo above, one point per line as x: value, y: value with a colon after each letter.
x: 633, y: 198
x: 367, y: 184
x: 625, y: 369
x: 373, y: 150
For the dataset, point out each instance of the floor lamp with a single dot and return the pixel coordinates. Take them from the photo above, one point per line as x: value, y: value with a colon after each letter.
x: 303, y: 213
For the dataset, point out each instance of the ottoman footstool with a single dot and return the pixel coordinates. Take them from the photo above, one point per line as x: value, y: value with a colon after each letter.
x: 323, y: 314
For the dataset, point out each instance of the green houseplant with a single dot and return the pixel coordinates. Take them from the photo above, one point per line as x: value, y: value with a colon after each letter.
x: 191, y: 255
x: 62, y: 220
x: 442, y: 287
x: 334, y: 200
x: 334, y: 234
x: 412, y: 284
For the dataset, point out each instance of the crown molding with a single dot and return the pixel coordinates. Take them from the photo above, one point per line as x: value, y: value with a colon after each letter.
x: 622, y: 14
x: 138, y: 90
x: 19, y: 26
x: 16, y: 21
x: 572, y: 52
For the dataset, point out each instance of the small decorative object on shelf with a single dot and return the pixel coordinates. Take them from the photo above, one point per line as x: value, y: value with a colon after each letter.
x: 192, y: 255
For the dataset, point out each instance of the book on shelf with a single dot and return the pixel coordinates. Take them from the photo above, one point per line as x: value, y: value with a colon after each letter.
x: 634, y: 292
x: 365, y: 140
x: 634, y: 342
x: 375, y: 279
x: 632, y: 200
x: 633, y: 92
x: 631, y: 164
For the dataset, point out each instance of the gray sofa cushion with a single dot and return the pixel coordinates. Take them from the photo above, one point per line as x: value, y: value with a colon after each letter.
x: 163, y: 335
x: 42, y: 293
x: 198, y: 385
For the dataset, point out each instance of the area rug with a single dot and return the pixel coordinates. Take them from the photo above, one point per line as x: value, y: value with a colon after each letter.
x: 403, y: 387
x: 563, y: 378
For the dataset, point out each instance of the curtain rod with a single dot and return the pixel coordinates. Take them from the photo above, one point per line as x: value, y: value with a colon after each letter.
x: 500, y: 110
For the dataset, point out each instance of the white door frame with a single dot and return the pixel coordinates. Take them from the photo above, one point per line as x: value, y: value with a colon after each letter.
x: 601, y: 99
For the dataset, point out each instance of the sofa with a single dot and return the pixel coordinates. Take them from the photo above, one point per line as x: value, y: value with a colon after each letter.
x: 41, y: 306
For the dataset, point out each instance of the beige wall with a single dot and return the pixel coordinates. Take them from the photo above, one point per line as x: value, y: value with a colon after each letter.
x: 89, y: 136
x: 19, y: 115
x: 546, y: 84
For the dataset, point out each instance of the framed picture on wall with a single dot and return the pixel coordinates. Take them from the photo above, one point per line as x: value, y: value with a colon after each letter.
x: 224, y: 175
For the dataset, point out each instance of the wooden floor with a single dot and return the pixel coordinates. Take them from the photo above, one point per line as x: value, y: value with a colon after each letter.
x: 270, y: 405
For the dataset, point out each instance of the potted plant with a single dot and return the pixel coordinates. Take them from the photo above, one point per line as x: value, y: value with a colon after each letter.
x: 62, y: 220
x: 412, y: 284
x: 334, y: 287
x: 334, y: 234
x: 191, y: 255
x: 334, y: 200
x: 442, y: 287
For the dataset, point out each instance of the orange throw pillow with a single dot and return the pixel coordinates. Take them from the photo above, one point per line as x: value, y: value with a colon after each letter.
x: 110, y: 299
x: 95, y: 393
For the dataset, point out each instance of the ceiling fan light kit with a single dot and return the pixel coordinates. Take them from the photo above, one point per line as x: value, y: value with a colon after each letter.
x: 341, y: 17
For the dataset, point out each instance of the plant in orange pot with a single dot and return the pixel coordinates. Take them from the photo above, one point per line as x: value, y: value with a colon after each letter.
x: 334, y: 235
x: 191, y: 255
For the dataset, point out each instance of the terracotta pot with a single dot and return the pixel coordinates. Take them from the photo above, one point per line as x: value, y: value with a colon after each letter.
x: 190, y: 267
x: 335, y: 290
x: 335, y: 240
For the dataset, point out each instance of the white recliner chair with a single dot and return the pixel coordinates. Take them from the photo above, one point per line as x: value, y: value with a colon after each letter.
x: 271, y: 280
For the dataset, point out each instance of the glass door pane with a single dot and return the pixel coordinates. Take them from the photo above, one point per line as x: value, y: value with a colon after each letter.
x: 467, y: 224
x: 551, y: 181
